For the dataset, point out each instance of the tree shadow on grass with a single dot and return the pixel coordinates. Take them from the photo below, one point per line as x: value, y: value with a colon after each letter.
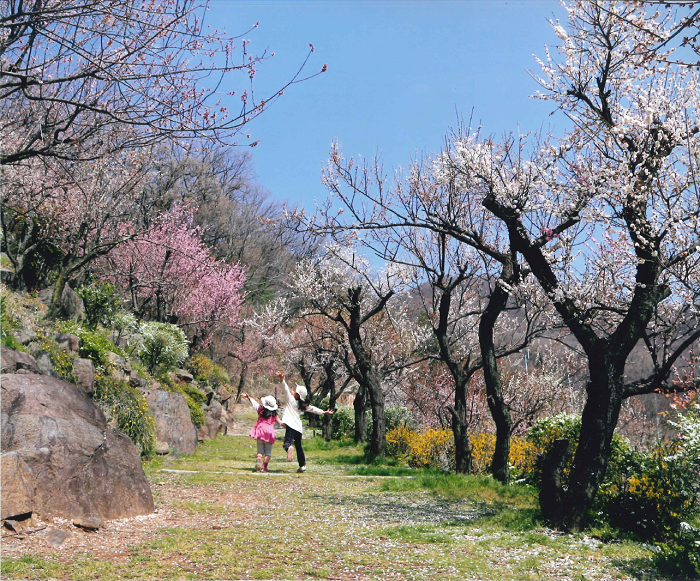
x: 385, y: 508
x: 641, y: 568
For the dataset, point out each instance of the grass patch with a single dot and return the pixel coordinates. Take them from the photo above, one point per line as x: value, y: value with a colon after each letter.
x: 474, y: 488
x: 397, y: 471
x: 29, y: 567
x: 417, y: 534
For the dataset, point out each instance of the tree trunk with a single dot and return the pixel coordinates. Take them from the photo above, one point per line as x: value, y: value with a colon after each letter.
x: 598, y: 421
x: 377, y: 443
x: 360, y: 406
x: 241, y: 381
x: 463, y: 446
x: 492, y: 378
x: 56, y: 307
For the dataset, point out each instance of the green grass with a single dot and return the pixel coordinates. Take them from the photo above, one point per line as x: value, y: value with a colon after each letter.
x: 339, y: 520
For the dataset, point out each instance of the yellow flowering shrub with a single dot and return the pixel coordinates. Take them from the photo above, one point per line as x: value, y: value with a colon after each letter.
x: 521, y: 458
x: 62, y: 361
x: 398, y: 442
x: 204, y: 369
x: 431, y: 449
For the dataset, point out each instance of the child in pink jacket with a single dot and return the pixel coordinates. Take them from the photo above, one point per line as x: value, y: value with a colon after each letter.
x: 264, y: 429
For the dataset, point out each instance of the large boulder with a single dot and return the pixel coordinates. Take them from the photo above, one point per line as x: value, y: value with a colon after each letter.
x: 12, y: 361
x: 211, y: 429
x: 81, y: 467
x: 18, y: 486
x: 173, y: 422
x: 70, y: 304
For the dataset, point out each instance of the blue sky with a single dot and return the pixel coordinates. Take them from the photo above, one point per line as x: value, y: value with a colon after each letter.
x: 399, y: 74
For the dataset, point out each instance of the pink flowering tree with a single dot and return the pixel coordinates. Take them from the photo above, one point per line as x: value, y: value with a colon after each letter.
x: 168, y: 273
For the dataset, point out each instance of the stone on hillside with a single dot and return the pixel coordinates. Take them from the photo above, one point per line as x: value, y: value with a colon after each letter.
x: 211, y: 429
x: 88, y: 522
x: 44, y: 363
x: 23, y: 337
x: 82, y: 466
x: 7, y: 277
x: 68, y: 342
x: 162, y: 448
x: 215, y: 409
x: 57, y: 537
x: 18, y: 486
x: 70, y: 304
x: 173, y: 422
x: 135, y: 380
x: 84, y: 370
x: 12, y: 361
x: 13, y: 525
x: 184, y: 376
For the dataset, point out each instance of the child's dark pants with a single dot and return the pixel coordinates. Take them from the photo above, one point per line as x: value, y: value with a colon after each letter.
x: 293, y: 437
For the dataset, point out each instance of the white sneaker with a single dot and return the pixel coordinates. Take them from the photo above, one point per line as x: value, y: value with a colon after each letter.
x: 302, y: 469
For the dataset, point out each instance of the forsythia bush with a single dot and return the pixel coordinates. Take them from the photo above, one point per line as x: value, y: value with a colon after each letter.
x: 429, y: 449
x: 521, y: 459
x: 398, y: 442
x: 61, y: 360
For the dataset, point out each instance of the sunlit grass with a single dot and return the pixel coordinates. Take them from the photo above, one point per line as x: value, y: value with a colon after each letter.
x: 342, y: 519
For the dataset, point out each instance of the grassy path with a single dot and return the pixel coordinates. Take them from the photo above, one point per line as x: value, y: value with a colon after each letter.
x: 217, y: 519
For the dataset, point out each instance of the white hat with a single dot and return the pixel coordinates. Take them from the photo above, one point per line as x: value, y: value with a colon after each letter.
x: 269, y: 403
x: 301, y: 390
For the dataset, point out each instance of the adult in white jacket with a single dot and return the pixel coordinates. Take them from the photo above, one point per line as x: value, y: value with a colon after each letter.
x: 291, y: 418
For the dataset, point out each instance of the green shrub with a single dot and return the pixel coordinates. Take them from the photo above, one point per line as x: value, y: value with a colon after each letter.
x: 681, y: 555
x: 7, y: 324
x: 396, y: 416
x: 204, y: 369
x: 651, y: 493
x: 164, y: 345
x: 196, y: 395
x: 343, y: 423
x: 96, y: 346
x: 568, y: 426
x: 93, y: 344
x: 126, y: 324
x: 127, y: 410
x: 101, y: 302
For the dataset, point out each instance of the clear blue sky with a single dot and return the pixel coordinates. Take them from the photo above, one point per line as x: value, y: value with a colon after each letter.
x: 399, y: 73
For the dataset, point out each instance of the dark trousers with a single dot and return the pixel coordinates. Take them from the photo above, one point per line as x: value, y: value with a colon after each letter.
x: 293, y: 437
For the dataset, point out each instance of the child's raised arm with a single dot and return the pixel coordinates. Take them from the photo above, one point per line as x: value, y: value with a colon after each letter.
x: 254, y: 403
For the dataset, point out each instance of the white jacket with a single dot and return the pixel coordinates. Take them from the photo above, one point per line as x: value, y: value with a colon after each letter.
x: 291, y: 416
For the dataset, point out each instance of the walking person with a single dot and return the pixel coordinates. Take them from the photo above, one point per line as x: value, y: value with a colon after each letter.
x: 291, y: 418
x: 264, y: 429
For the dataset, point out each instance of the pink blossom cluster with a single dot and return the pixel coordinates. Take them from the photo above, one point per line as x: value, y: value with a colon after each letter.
x: 169, y: 271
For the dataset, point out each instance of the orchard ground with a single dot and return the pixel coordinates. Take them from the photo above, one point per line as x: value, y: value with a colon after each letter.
x: 342, y: 519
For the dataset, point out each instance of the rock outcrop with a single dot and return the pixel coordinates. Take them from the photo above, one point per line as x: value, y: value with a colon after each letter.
x: 61, y: 456
x: 173, y: 422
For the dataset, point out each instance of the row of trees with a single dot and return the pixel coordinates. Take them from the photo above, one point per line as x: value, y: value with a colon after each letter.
x: 594, y: 233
